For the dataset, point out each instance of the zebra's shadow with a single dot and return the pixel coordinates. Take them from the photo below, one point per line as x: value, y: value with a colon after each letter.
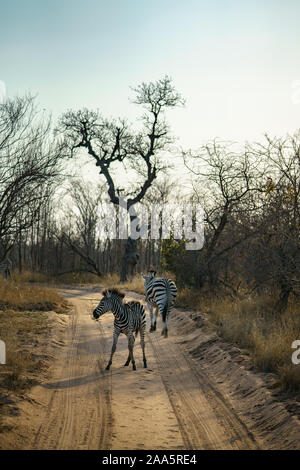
x: 92, y: 378
x: 74, y: 382
x: 89, y: 346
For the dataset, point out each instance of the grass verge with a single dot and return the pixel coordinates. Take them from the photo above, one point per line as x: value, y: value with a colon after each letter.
x: 25, y: 328
x: 267, y: 337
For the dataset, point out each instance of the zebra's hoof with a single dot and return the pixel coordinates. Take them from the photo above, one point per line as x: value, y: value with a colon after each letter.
x: 133, y: 367
x: 107, y: 367
x: 145, y: 365
x: 126, y: 364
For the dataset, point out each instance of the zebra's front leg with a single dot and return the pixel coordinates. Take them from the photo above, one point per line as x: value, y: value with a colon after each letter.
x: 113, y: 349
x: 128, y: 361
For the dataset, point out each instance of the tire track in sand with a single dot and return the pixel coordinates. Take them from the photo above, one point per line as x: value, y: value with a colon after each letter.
x: 205, y: 419
x: 77, y: 398
x: 170, y: 405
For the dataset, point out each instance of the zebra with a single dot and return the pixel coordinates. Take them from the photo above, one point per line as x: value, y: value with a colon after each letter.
x: 129, y: 318
x: 6, y: 267
x: 160, y: 295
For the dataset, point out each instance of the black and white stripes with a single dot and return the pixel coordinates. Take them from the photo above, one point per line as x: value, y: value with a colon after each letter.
x: 160, y: 295
x: 130, y: 318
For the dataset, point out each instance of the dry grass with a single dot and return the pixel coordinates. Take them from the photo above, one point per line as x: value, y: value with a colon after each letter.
x: 109, y: 280
x: 30, y: 277
x: 19, y: 296
x: 20, y: 332
x: 190, y: 298
x: 76, y: 278
x: 252, y: 325
x: 135, y: 284
x: 23, y: 321
x: 66, y: 278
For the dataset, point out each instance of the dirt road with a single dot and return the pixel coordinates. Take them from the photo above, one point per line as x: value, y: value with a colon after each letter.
x: 170, y: 405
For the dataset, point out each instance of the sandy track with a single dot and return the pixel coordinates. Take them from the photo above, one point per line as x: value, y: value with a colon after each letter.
x: 167, y: 406
x: 170, y: 405
x: 206, y: 421
x: 77, y: 399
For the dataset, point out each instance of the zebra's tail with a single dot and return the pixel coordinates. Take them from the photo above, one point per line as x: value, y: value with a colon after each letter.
x: 136, y: 333
x: 165, y: 311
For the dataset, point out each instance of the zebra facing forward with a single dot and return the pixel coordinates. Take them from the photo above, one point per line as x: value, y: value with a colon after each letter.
x: 129, y: 318
x: 160, y: 295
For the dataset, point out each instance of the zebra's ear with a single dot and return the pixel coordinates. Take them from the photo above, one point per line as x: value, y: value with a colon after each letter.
x: 106, y: 293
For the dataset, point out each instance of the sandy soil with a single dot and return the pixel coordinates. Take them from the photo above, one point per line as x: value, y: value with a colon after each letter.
x: 195, y: 394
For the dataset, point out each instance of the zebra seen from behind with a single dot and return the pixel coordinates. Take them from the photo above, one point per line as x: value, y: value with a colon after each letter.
x: 130, y: 318
x: 160, y: 295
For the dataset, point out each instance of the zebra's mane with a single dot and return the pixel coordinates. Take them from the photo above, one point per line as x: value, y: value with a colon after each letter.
x: 113, y: 291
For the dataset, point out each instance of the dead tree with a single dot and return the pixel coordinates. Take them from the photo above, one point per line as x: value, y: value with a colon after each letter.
x: 114, y: 144
x: 223, y: 180
x: 83, y: 220
x: 29, y: 162
x: 277, y: 252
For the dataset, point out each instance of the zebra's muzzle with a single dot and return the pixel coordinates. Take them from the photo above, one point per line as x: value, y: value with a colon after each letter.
x: 95, y: 314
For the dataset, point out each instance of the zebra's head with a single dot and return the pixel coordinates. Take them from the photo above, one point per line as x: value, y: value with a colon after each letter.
x: 110, y: 296
x: 149, y: 276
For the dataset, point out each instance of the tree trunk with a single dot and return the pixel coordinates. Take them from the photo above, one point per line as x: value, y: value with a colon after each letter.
x: 130, y: 259
x: 282, y: 301
x: 131, y: 256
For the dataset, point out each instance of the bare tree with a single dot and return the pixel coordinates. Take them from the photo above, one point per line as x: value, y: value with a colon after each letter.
x: 81, y: 234
x: 114, y: 144
x: 225, y: 182
x: 29, y: 162
x: 276, y: 261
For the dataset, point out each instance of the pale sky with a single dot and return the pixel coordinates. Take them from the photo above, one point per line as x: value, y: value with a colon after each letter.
x: 234, y: 61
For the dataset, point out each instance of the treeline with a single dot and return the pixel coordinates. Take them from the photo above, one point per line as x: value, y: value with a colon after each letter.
x: 252, y: 219
x: 49, y: 220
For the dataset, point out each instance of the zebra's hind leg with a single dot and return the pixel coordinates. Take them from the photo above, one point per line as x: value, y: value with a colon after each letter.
x: 142, y: 339
x: 152, y: 325
x: 129, y: 354
x: 164, y: 331
x: 130, y: 348
x: 155, y: 319
x: 113, y: 349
